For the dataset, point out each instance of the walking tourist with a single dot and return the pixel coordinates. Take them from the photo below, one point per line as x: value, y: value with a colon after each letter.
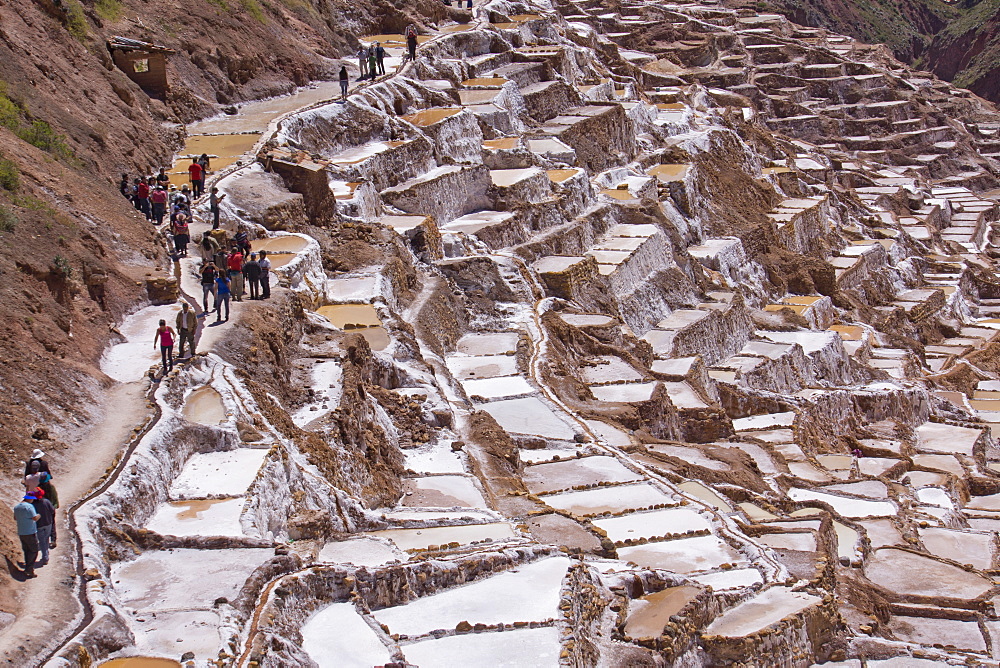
x: 213, y: 205
x: 26, y: 518
x: 45, y: 525
x: 209, y: 272
x: 222, y: 284
x: 165, y: 338
x: 197, y: 174
x: 187, y: 325
x: 344, y: 81
x: 251, y: 272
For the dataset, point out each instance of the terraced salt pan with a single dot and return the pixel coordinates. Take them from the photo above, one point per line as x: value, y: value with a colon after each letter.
x: 934, y: 496
x: 587, y: 320
x: 624, y: 393
x: 528, y: 416
x: 184, y: 578
x: 769, y: 607
x: 706, y: 494
x: 496, y: 388
x: 482, y: 366
x: 437, y: 457
x: 608, y: 499
x: 912, y: 574
x: 686, y: 555
x: 611, y: 435
x: 764, y: 421
x: 531, y: 456
x: 527, y: 593
x: 198, y: 517
x: 582, y: 471
x: 653, y: 523
x: 216, y: 474
x: 360, y: 552
x: 610, y: 369
x: 649, y: 614
x: 848, y: 507
x: 847, y: 541
x: 442, y: 491
x: 965, y: 547
x: 801, y: 542
x: 734, y: 579
x: 939, y: 437
x: 520, y: 648
x: 129, y: 361
x: 204, y: 406
x: 338, y: 637
x: 935, y: 631
x: 490, y: 343
x: 413, y: 539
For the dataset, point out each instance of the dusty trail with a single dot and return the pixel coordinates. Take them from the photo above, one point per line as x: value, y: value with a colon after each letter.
x: 49, y: 606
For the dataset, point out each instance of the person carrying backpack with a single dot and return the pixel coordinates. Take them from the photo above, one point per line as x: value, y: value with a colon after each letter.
x: 182, y: 234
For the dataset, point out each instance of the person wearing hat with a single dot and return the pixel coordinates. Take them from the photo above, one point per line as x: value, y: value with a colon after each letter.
x: 36, y: 455
x: 45, y: 524
x: 26, y: 518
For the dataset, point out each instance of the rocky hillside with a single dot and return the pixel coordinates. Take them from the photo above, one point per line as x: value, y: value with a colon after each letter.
x: 967, y: 50
x: 958, y: 42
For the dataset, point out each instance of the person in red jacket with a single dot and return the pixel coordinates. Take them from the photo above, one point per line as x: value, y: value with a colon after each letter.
x: 235, y: 265
x: 197, y: 173
x: 142, y: 199
x: 159, y: 200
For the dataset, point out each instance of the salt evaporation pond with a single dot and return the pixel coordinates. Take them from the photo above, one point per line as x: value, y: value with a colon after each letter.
x: 338, y: 637
x: 572, y: 472
x: 140, y: 662
x: 368, y: 552
x: 528, y: 593
x: 359, y: 318
x: 769, y: 607
x: 433, y: 458
x: 129, y: 361
x: 848, y: 507
x: 709, y: 496
x: 909, y: 574
x: 184, y: 578
x: 442, y: 491
x: 684, y: 555
x: 607, y: 433
x: 492, y: 343
x: 520, y: 648
x: 649, y: 614
x: 481, y: 366
x: 414, y: 539
x: 204, y: 406
x: 496, y: 388
x: 198, y: 517
x: 529, y: 416
x: 653, y: 523
x: 734, y: 579
x: 608, y: 499
x: 224, y: 473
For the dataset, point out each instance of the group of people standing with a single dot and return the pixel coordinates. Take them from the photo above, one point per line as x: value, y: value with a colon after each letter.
x: 371, y: 61
x: 35, y: 515
x: 153, y: 195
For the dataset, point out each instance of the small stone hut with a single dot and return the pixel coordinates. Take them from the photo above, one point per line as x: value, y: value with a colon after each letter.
x: 142, y: 62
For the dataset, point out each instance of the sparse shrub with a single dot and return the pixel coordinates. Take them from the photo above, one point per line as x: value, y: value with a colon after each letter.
x: 108, y: 10
x: 10, y: 175
x: 60, y: 266
x: 221, y: 4
x: 8, y: 219
x: 41, y: 135
x: 76, y: 22
x: 253, y: 8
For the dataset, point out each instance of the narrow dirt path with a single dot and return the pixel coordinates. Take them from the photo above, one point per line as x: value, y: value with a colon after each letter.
x: 49, y: 604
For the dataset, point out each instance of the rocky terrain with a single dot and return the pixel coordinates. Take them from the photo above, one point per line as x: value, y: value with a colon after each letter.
x: 654, y: 334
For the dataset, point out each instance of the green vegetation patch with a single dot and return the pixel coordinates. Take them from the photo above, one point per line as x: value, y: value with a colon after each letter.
x: 76, y: 21
x: 108, y: 10
x: 254, y: 9
x: 16, y: 118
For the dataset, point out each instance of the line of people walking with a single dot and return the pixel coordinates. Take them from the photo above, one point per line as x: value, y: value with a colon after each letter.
x: 35, y: 515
